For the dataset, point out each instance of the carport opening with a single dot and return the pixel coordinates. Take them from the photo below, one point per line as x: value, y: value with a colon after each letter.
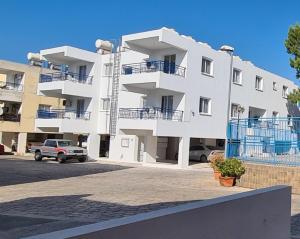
x: 201, y: 149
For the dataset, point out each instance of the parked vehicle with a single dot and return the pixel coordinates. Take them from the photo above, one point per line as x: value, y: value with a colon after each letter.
x: 202, y: 152
x: 59, y: 149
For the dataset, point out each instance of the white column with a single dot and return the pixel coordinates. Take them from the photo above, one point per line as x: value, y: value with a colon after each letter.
x: 22, y: 141
x: 1, y: 135
x: 150, y: 149
x: 183, y: 152
x: 93, y: 146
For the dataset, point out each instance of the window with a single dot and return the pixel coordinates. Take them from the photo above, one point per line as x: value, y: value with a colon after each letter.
x: 108, y: 69
x: 105, y: 103
x: 205, y: 106
x: 285, y: 91
x: 274, y: 85
x: 44, y: 107
x: 237, y: 76
x: 207, y: 67
x: 234, y: 111
x: 259, y: 83
x: 51, y: 143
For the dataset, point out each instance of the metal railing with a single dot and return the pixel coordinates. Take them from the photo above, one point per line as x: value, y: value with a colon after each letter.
x: 10, y: 117
x: 7, y: 85
x: 66, y: 76
x: 265, y: 140
x: 150, y: 113
x: 153, y: 66
x: 63, y: 114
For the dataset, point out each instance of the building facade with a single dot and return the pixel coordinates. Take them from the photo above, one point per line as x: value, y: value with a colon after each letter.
x: 160, y: 94
x: 19, y: 104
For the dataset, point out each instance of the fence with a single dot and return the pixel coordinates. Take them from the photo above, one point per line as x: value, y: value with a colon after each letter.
x: 265, y: 140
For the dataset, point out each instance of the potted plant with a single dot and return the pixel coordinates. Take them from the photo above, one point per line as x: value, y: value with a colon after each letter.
x: 215, y: 163
x: 230, y: 170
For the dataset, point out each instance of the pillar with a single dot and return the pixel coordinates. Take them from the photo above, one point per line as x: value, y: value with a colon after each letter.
x: 150, y: 150
x: 93, y: 146
x: 22, y: 143
x: 183, y: 152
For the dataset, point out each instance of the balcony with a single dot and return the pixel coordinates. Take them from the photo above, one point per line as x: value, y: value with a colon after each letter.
x: 10, y: 117
x: 11, y: 91
x: 153, y: 74
x: 65, y: 83
x: 153, y: 66
x: 155, y: 119
x: 150, y: 113
x: 65, y: 121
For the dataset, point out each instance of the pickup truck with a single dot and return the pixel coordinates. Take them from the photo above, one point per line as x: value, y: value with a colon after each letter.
x: 59, y: 149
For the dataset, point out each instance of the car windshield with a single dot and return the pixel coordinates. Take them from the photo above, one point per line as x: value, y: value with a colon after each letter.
x: 64, y: 143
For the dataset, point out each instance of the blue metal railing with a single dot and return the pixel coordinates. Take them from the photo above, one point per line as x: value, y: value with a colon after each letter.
x: 63, y: 114
x: 150, y: 113
x: 265, y: 140
x: 7, y: 85
x: 66, y: 76
x: 153, y: 66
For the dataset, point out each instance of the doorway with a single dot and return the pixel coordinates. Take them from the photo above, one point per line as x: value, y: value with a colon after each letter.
x: 80, y: 108
x: 167, y: 107
x: 169, y: 64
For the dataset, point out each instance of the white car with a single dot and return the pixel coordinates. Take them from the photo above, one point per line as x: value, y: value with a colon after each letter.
x: 202, y: 152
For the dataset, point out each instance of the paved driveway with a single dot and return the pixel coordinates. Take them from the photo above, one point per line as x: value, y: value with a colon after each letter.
x: 38, y: 197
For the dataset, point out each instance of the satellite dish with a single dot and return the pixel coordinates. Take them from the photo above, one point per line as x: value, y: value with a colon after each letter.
x: 1, y: 111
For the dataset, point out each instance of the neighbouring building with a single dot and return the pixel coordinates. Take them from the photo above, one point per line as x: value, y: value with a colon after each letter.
x: 157, y: 96
x: 19, y: 104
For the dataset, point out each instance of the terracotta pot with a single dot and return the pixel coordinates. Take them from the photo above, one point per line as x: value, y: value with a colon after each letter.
x: 227, y: 181
x: 217, y: 174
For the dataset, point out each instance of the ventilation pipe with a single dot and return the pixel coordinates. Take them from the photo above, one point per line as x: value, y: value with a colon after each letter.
x: 103, y: 47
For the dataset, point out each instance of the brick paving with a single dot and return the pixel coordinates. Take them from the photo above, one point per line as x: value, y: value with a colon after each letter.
x: 74, y: 194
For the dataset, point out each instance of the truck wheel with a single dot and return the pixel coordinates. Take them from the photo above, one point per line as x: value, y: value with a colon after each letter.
x: 61, y: 158
x: 38, y: 156
x: 83, y: 159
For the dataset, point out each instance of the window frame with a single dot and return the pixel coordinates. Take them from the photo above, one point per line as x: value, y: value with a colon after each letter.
x: 240, y: 82
x: 285, y: 92
x: 211, y: 73
x: 231, y: 110
x: 108, y: 69
x: 208, y: 106
x: 261, y: 83
x: 105, y: 102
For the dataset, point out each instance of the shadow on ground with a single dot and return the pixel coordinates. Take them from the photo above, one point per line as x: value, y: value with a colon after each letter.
x: 18, y: 171
x: 295, y: 225
x: 20, y: 217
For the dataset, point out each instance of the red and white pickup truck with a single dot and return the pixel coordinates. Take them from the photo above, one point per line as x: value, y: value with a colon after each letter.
x: 59, y: 149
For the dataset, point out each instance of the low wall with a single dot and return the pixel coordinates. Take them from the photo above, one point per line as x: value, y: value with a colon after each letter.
x: 261, y: 176
x: 259, y: 214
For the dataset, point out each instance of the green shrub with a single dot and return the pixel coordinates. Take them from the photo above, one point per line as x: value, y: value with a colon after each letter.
x: 232, y: 168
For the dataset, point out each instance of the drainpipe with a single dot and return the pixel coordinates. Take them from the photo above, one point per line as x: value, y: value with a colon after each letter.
x: 229, y: 50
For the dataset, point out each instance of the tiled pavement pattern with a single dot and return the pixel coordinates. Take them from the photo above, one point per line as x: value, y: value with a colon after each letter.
x: 60, y: 196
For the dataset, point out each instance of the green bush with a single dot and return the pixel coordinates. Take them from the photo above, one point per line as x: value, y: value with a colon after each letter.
x: 232, y: 168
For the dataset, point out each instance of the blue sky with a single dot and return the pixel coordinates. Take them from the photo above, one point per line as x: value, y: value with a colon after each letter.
x: 256, y: 29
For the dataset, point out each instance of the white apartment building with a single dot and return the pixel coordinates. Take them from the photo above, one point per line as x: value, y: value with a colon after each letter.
x: 163, y: 92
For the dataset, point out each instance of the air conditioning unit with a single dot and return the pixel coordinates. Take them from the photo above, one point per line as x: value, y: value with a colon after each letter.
x: 67, y: 103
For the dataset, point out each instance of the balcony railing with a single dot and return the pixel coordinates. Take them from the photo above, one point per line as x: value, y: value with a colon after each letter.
x: 10, y: 117
x: 66, y: 76
x: 63, y: 114
x: 150, y: 113
x: 153, y: 66
x: 7, y: 85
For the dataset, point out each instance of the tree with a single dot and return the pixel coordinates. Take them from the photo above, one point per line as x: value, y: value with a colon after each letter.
x: 292, y: 44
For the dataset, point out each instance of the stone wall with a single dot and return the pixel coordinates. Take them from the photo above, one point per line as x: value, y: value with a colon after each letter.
x: 260, y: 176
